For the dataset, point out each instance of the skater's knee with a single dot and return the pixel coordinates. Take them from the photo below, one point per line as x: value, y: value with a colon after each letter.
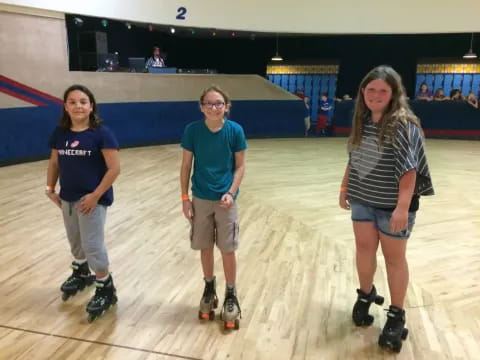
x: 208, y: 250
x: 227, y: 254
x: 366, y: 248
x: 395, y: 261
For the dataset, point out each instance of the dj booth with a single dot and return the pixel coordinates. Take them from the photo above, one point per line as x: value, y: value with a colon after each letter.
x: 173, y: 70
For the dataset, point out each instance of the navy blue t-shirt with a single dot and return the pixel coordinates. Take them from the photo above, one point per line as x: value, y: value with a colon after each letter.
x: 81, y: 162
x: 214, y: 157
x: 327, y: 103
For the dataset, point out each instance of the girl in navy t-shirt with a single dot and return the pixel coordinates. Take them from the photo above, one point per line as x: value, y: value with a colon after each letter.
x: 85, y: 158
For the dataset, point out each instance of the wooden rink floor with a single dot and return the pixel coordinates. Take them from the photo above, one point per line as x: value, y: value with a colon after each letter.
x: 296, y: 277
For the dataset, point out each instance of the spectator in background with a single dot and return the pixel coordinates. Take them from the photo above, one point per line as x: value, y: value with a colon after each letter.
x: 322, y: 119
x: 440, y: 95
x: 424, y: 93
x: 456, y: 95
x: 300, y: 93
x: 156, y: 60
x: 472, y: 100
x: 306, y: 118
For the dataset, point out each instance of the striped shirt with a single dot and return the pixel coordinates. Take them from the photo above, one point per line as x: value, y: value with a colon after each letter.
x: 154, y: 62
x: 375, y: 172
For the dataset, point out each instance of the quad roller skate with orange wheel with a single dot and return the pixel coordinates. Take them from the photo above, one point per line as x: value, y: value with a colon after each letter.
x: 209, y: 301
x: 231, y: 310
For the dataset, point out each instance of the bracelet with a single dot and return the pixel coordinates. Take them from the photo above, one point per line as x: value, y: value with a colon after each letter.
x: 343, y: 188
x: 185, y: 197
x: 49, y: 189
x: 229, y: 193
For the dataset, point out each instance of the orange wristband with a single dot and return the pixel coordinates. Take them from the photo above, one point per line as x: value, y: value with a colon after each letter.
x: 343, y: 188
x: 185, y: 197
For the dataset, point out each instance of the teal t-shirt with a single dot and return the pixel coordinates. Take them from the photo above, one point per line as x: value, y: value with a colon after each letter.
x: 214, y: 157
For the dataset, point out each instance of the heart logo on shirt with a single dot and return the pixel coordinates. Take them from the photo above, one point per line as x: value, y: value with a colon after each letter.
x: 75, y: 143
x: 365, y: 166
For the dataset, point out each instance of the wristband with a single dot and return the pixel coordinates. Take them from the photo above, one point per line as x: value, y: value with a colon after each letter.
x: 49, y: 189
x: 343, y: 188
x: 229, y: 193
x: 185, y: 197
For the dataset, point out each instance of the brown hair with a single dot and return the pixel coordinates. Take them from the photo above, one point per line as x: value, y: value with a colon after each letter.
x: 397, y: 110
x: 217, y: 89
x: 94, y: 120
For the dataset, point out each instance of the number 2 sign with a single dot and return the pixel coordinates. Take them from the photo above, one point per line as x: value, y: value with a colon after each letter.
x: 181, y: 12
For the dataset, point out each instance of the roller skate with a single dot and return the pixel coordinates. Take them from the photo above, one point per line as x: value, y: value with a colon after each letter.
x: 209, y: 301
x: 394, y: 331
x: 360, y: 314
x: 231, y: 310
x: 80, y: 278
x: 105, y: 296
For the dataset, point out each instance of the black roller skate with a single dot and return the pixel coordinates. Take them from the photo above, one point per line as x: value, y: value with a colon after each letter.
x: 105, y: 296
x: 394, y: 331
x: 209, y: 301
x: 80, y: 278
x: 360, y: 314
x: 231, y: 310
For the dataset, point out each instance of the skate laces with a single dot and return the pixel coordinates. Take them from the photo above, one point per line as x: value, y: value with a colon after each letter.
x: 101, y: 291
x: 209, y: 291
x: 231, y: 300
x: 76, y: 274
x: 393, y: 319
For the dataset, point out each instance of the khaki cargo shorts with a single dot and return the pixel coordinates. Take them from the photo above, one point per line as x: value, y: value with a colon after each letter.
x: 213, y: 224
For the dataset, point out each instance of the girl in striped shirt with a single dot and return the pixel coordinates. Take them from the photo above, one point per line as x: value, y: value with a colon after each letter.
x: 384, y: 178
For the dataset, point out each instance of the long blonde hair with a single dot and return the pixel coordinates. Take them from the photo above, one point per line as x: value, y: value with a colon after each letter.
x: 397, y: 111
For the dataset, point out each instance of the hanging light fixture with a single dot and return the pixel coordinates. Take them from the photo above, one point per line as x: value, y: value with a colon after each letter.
x: 277, y: 57
x: 470, y: 54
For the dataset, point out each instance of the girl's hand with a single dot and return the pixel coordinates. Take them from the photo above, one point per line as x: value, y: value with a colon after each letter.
x: 226, y: 201
x: 88, y: 203
x: 342, y: 200
x: 399, y: 220
x: 187, y: 209
x: 55, y: 198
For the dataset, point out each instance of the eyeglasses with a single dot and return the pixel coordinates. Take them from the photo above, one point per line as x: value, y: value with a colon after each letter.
x: 218, y: 105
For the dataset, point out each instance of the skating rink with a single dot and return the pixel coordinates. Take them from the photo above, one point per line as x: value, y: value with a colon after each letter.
x: 296, y: 277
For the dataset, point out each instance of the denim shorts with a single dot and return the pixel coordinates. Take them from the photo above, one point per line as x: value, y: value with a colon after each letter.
x: 381, y: 217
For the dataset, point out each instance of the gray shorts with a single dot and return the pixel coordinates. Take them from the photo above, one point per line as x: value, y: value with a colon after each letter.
x: 213, y: 224
x: 86, y: 235
x: 381, y: 217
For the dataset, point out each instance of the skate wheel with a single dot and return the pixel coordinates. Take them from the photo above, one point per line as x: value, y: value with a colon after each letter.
x: 389, y: 345
x: 202, y: 316
x: 229, y: 325
x: 366, y: 321
x: 404, y: 333
x: 65, y: 296
x: 237, y: 324
x: 211, y: 315
x: 397, y: 347
x: 379, y: 300
x: 90, y: 318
